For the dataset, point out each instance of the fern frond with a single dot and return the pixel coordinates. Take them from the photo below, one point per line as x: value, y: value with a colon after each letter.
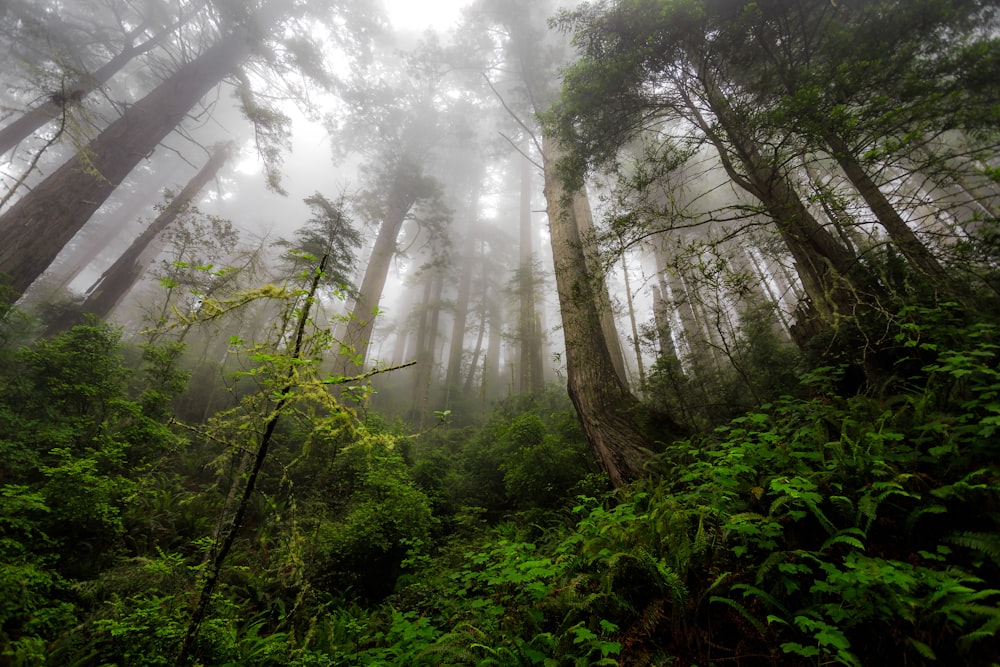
x: 988, y: 544
x: 742, y: 611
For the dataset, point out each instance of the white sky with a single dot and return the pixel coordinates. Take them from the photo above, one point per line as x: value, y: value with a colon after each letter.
x: 417, y: 15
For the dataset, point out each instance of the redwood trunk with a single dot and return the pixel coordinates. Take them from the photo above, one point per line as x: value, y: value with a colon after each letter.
x: 602, y: 401
x: 359, y: 329
x: 35, y: 229
x: 905, y: 239
x: 108, y: 291
x: 15, y: 132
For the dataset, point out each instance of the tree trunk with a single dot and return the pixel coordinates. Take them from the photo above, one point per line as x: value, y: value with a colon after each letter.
x: 529, y: 377
x: 491, y: 381
x: 905, y: 239
x: 822, y: 263
x: 603, y: 403
x: 636, y: 345
x: 477, y: 350
x: 218, y: 556
x: 36, y: 227
x: 661, y: 315
x: 585, y: 224
x: 361, y: 324
x: 427, y: 333
x: 453, y: 377
x: 96, y: 237
x: 108, y: 291
x: 15, y: 132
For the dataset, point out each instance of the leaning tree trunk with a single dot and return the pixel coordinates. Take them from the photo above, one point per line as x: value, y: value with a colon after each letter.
x: 96, y: 237
x: 16, y: 131
x: 905, y: 239
x: 603, y: 403
x: 585, y: 226
x: 35, y: 229
x: 217, y: 560
x: 824, y: 266
x: 108, y: 291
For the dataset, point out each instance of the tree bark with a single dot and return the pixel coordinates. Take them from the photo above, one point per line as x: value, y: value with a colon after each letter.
x: 96, y: 237
x: 529, y: 377
x: 15, y: 132
x: 358, y: 333
x: 585, y: 224
x: 108, y: 291
x: 603, y: 403
x: 905, y: 239
x: 36, y: 227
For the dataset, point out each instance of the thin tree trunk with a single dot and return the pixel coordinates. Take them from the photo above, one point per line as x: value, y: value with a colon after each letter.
x: 453, y: 376
x: 491, y: 382
x: 470, y: 376
x: 430, y: 317
x: 36, y: 227
x: 661, y: 315
x: 529, y: 375
x: 214, y: 568
x: 636, y: 346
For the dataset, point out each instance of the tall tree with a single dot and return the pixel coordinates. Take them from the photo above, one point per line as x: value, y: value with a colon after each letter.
x: 37, y: 226
x: 604, y: 405
x: 865, y: 81
x: 398, y: 185
x: 645, y: 63
x: 74, y: 91
x: 468, y: 259
x: 118, y: 279
x: 529, y: 337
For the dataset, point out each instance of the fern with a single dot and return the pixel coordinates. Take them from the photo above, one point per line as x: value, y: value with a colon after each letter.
x: 987, y: 544
x: 742, y: 611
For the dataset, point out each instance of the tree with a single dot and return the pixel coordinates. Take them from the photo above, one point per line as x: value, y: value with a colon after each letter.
x: 606, y: 408
x: 285, y: 387
x: 108, y: 291
x: 73, y: 92
x: 866, y: 82
x: 530, y: 379
x: 645, y: 64
x: 329, y: 232
x: 604, y: 405
x: 399, y: 185
x: 37, y: 226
